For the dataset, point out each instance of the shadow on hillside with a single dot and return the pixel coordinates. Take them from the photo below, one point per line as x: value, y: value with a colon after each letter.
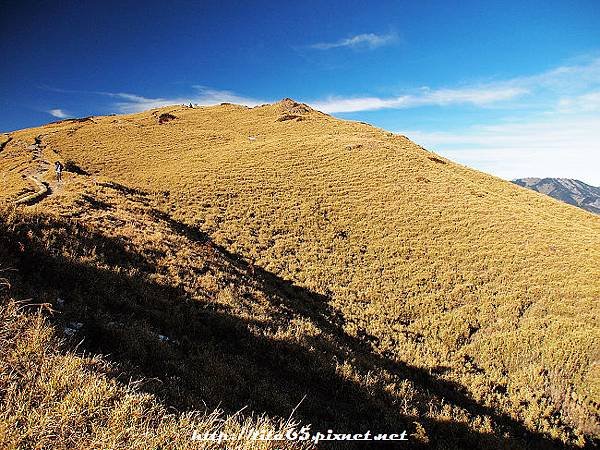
x: 192, y: 355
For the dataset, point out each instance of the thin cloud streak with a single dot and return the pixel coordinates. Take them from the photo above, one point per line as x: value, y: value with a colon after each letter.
x: 58, y: 113
x: 129, y: 103
x: 572, y: 83
x: 479, y: 96
x: 360, y: 41
x: 590, y: 102
x: 203, y: 96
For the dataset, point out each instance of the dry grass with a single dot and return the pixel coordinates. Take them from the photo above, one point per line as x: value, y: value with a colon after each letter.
x: 485, y: 294
x: 55, y: 398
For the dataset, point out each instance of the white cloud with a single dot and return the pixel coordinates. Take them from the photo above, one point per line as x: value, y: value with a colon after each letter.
x: 560, y: 145
x: 559, y: 84
x: 565, y: 78
x: 590, y: 101
x: 480, y: 96
x: 202, y: 96
x: 359, y: 41
x: 59, y: 113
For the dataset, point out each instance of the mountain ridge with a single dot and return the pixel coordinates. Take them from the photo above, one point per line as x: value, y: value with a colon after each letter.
x: 461, y: 289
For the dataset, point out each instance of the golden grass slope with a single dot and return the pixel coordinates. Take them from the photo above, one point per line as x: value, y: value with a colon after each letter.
x: 234, y: 336
x: 198, y: 326
x: 482, y: 285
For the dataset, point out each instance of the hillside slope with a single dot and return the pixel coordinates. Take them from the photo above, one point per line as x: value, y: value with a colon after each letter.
x: 573, y: 192
x: 465, y: 304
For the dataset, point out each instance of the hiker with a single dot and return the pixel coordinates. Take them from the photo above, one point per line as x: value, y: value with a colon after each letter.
x: 58, y: 168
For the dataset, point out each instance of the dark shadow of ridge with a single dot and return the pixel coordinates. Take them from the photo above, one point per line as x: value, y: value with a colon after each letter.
x: 192, y: 354
x: 316, y: 306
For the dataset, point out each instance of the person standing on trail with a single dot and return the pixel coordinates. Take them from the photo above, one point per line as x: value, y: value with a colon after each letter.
x: 58, y: 168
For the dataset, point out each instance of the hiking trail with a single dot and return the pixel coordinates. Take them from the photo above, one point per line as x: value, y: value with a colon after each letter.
x: 35, y: 173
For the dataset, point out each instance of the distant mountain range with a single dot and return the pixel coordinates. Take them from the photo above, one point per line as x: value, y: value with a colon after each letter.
x: 573, y: 192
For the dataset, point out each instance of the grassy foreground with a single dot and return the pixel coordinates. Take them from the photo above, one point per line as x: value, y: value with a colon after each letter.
x: 285, y: 254
x: 54, y: 398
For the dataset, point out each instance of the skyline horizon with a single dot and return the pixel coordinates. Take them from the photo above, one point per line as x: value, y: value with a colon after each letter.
x: 539, y: 176
x: 508, y: 88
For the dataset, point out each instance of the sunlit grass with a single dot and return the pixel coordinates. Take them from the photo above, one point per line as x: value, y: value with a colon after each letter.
x: 449, y: 270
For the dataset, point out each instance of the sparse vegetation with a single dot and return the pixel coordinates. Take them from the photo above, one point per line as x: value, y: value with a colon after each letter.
x: 166, y: 117
x: 390, y: 289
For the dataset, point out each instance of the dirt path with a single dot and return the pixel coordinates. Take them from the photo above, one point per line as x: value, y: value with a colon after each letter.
x: 5, y: 143
x: 35, y: 173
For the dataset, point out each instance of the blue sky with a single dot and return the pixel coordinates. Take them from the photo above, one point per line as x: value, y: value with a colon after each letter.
x: 511, y: 88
